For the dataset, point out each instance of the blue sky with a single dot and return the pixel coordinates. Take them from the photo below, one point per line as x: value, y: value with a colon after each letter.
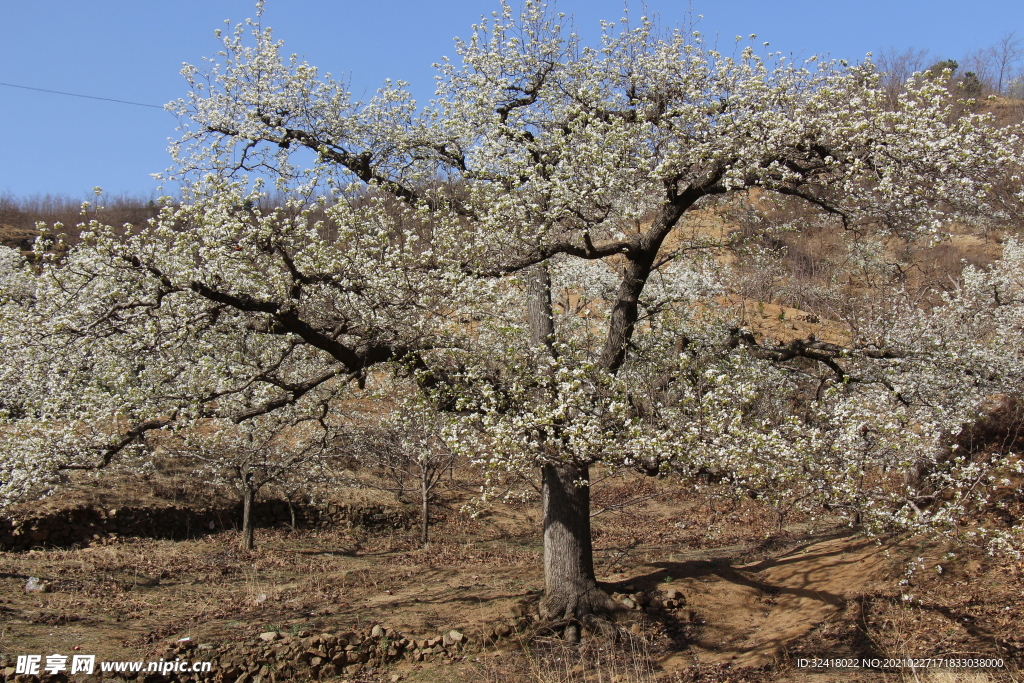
x: 133, y: 50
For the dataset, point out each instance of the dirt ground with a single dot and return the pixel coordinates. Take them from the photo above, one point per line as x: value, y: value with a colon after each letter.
x: 750, y: 606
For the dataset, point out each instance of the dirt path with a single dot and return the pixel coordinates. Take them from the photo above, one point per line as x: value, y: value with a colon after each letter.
x: 750, y: 613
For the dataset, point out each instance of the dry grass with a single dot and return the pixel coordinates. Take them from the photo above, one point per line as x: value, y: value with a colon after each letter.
x: 552, y: 661
x: 125, y: 598
x: 953, y: 677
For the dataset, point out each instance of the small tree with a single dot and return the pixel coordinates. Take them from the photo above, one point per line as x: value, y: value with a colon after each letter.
x: 248, y: 456
x: 942, y: 67
x: 406, y: 456
x: 896, y: 68
x: 1006, y: 56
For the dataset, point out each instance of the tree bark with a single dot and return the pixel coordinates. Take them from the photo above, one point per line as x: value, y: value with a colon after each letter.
x: 638, y: 269
x: 248, y: 496
x: 570, y: 587
x: 424, y: 510
x: 571, y: 594
x: 538, y: 308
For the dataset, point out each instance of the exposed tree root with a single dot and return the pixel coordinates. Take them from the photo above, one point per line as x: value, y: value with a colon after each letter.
x: 573, y: 614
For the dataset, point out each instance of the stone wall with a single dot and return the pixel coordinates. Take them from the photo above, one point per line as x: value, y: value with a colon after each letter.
x: 303, y: 656
x: 86, y: 524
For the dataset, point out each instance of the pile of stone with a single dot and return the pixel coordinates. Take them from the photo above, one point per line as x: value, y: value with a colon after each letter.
x: 516, y: 621
x: 667, y: 600
x: 275, y: 656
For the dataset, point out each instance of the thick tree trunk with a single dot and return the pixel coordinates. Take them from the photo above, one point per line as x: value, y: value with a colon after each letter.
x: 570, y: 587
x: 571, y: 595
x: 248, y: 497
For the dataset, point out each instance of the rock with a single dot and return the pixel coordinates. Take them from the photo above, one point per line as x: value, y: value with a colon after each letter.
x: 456, y: 637
x: 395, y: 678
x: 36, y: 585
x: 376, y: 631
x: 269, y: 636
x: 628, y: 603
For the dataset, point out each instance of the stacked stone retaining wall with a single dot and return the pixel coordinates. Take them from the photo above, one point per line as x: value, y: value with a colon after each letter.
x: 86, y: 524
x: 274, y: 657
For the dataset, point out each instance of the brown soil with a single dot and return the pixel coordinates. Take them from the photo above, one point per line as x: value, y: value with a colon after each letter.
x: 751, y: 607
x: 17, y: 238
x: 763, y: 608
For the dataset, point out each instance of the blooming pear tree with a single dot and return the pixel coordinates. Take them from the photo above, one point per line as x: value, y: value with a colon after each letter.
x: 405, y: 453
x: 516, y: 248
x: 276, y: 447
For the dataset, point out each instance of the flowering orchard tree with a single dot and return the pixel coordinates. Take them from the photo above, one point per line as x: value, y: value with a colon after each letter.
x: 404, y: 452
x: 279, y: 447
x: 543, y: 166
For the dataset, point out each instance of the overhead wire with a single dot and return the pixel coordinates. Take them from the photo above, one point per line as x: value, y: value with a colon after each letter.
x: 90, y: 97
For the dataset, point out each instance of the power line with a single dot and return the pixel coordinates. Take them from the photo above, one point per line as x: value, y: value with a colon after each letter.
x: 91, y: 97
